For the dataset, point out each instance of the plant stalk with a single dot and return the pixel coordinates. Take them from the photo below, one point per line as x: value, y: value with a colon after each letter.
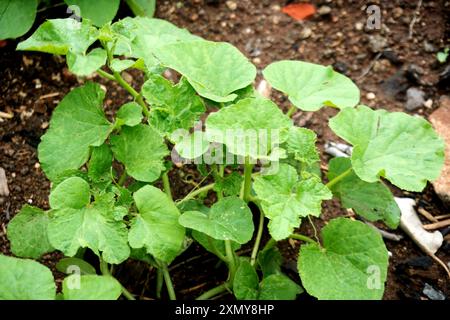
x: 159, y: 282
x: 168, y: 281
x: 213, y: 292
x: 194, y: 193
x: 230, y: 259
x: 248, y: 168
x: 291, y: 111
x: 258, y: 238
x: 339, y: 178
x: 166, y: 184
x: 301, y: 237
x: 122, y: 178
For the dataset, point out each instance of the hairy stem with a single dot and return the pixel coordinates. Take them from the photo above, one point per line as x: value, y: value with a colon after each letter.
x: 248, y: 168
x: 168, y: 281
x: 214, y: 291
x: 166, y: 184
x: 258, y: 238
x: 339, y: 178
x: 195, y: 193
x: 301, y: 237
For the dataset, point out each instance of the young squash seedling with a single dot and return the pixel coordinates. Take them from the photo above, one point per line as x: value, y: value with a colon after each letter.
x: 251, y: 149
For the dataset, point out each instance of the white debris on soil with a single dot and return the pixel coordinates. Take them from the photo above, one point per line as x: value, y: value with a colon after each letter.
x: 264, y: 89
x: 337, y: 149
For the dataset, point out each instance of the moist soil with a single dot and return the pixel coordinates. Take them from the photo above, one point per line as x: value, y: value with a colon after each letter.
x: 32, y: 84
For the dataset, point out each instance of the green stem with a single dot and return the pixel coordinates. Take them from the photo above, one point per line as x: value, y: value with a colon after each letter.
x: 291, y: 111
x: 159, y: 282
x: 301, y: 237
x: 230, y: 259
x: 270, y: 244
x: 194, y: 193
x: 169, y: 284
x: 258, y: 238
x: 339, y: 178
x: 122, y: 178
x: 248, y: 168
x: 166, y: 184
x: 105, y: 271
x: 214, y: 292
x: 106, y: 75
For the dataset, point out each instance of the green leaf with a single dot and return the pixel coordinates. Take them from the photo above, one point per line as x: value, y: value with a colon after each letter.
x: 285, y: 198
x: 173, y: 106
x: 121, y: 65
x: 156, y: 227
x: 142, y: 150
x: 402, y: 148
x: 16, y: 17
x: 77, y: 123
x: 130, y: 114
x: 71, y: 193
x: 278, y: 287
x: 214, y: 69
x: 22, y: 279
x: 301, y: 142
x: 351, y: 265
x: 27, y: 233
x: 145, y: 8
x: 141, y: 37
x: 99, y: 12
x: 229, y: 185
x: 59, y: 36
x: 311, y: 86
x: 72, y: 265
x: 251, y: 127
x: 77, y: 224
x: 246, y: 282
x: 193, y: 145
x: 373, y: 201
x: 213, y: 245
x: 269, y: 261
x: 100, y: 163
x: 85, y: 64
x: 91, y: 287
x: 228, y: 219
x: 441, y: 56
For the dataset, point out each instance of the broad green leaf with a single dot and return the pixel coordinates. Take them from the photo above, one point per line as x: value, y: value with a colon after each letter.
x: 75, y: 265
x: 99, y: 11
x: 141, y: 37
x: 193, y: 145
x: 286, y: 198
x: 59, y: 36
x: 156, y: 226
x: 121, y: 65
x: 27, y: 233
x: 399, y: 147
x: 77, y: 123
x: 16, y: 17
x: 246, y: 282
x: 130, y: 114
x: 228, y: 219
x: 229, y: 185
x: 251, y: 127
x: 91, y: 287
x: 74, y: 225
x: 352, y: 264
x: 142, y: 150
x: 23, y: 279
x: 173, y: 106
x: 71, y: 193
x: 301, y: 142
x: 373, y: 201
x: 213, y: 245
x: 85, y: 64
x: 269, y: 261
x: 311, y: 86
x: 278, y: 287
x: 144, y: 8
x: 99, y: 166
x: 214, y: 69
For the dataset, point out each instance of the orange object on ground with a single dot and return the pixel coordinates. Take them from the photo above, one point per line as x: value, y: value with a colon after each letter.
x: 299, y: 11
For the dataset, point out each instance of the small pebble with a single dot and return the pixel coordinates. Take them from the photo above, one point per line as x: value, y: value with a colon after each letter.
x: 231, y: 5
x: 370, y: 96
x: 359, y: 26
x: 305, y: 33
x: 428, y: 104
x: 324, y: 10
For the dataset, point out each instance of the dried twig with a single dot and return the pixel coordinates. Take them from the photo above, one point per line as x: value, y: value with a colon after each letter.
x: 442, y: 217
x: 367, y: 70
x: 414, y: 19
x: 6, y: 115
x: 437, y: 225
x: 385, y: 234
x: 427, y: 215
x: 49, y: 95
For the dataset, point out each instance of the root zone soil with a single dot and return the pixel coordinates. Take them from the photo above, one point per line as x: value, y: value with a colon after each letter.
x: 33, y: 84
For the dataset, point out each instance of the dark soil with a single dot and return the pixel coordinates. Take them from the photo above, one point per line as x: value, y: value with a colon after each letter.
x: 32, y: 84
